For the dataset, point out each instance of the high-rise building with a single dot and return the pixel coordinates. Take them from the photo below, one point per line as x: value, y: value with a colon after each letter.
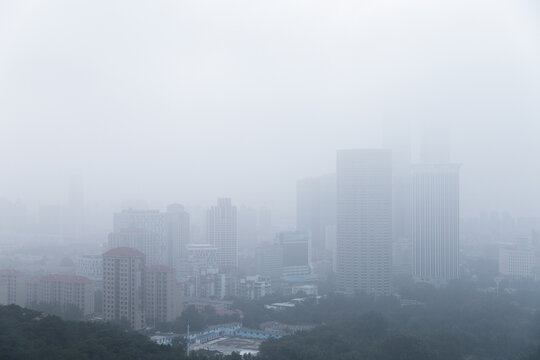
x: 296, y: 259
x: 12, y: 287
x: 435, y: 222
x: 222, y: 233
x: 163, y: 302
x: 149, y: 243
x: 269, y: 263
x: 124, y: 286
x: 150, y: 222
x: 316, y: 210
x: 90, y: 266
x: 169, y: 233
x: 178, y: 235
x: 364, y: 221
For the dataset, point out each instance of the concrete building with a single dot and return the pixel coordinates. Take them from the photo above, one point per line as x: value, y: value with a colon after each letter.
x: 222, y: 233
x: 296, y: 253
x: 149, y: 243
x: 64, y: 290
x: 150, y: 227
x: 516, y: 261
x: 90, y: 266
x: 163, y: 300
x: 254, y: 287
x: 12, y: 287
x: 210, y: 283
x: 316, y: 210
x: 124, y: 286
x: 269, y: 263
x: 199, y: 256
x: 435, y: 222
x: 364, y: 221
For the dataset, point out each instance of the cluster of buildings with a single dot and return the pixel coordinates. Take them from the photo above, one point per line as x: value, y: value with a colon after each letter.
x: 378, y: 215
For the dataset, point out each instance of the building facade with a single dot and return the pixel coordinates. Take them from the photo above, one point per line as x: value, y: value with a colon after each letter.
x: 163, y: 301
x: 12, y: 287
x: 124, y: 286
x: 435, y: 222
x: 222, y: 233
x: 64, y: 291
x: 364, y: 221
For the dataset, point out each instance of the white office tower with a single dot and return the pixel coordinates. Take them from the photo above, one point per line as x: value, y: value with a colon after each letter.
x: 435, y: 222
x: 364, y: 221
x: 222, y: 233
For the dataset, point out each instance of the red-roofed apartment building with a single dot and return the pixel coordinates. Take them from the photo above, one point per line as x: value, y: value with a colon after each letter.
x: 123, y: 286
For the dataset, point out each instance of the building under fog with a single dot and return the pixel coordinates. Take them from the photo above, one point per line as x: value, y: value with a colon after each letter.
x: 124, y: 286
x: 364, y: 221
x: 161, y: 236
x: 222, y: 232
x: 435, y: 222
x: 316, y: 210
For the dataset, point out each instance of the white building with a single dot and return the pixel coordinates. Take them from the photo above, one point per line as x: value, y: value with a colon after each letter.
x: 435, y: 222
x: 222, y: 232
x: 364, y: 221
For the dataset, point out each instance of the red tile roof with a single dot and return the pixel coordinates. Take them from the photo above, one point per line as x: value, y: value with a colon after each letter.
x: 124, y: 252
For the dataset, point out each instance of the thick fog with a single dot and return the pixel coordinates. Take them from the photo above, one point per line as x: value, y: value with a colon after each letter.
x: 187, y: 101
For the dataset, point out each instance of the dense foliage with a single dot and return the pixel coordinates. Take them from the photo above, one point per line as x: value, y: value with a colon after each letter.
x: 458, y: 322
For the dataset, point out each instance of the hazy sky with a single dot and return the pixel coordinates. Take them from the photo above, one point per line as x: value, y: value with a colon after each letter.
x: 190, y: 100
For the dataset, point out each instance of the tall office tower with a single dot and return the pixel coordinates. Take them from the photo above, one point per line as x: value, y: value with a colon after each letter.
x: 178, y: 231
x: 364, y: 221
x: 124, y: 286
x: 162, y: 296
x: 222, y: 233
x: 149, y: 243
x: 435, y: 222
x: 316, y: 210
x: 247, y: 228
x: 12, y: 287
x: 152, y: 222
x: 296, y: 259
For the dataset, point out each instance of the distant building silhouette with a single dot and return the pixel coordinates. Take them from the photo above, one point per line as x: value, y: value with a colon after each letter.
x: 364, y: 221
x: 435, y: 222
x: 222, y: 233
